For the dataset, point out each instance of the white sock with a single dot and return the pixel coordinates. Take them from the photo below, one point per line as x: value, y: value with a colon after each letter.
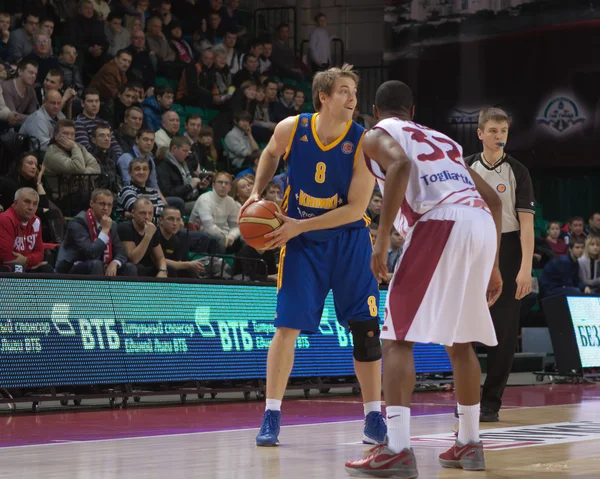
x: 273, y: 405
x: 398, y: 424
x: 468, y: 424
x: 373, y: 406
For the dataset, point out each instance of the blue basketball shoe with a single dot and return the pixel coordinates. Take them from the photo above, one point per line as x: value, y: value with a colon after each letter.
x: 269, y: 431
x: 375, y: 429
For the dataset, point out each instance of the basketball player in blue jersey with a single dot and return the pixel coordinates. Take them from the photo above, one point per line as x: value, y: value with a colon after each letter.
x: 325, y: 243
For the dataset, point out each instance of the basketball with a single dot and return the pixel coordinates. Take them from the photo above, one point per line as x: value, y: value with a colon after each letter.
x: 257, y: 220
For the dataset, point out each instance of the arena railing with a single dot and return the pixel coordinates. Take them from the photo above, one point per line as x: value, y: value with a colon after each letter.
x: 266, y: 21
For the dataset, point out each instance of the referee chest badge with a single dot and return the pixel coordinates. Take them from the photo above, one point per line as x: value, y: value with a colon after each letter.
x: 501, y: 188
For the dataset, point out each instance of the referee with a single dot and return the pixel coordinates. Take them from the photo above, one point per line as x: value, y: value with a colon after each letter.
x: 511, y: 180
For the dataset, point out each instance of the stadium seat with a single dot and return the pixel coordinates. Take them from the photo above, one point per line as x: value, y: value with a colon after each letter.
x: 209, y: 115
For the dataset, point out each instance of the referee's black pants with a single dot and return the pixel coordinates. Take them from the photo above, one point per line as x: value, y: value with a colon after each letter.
x: 505, y: 315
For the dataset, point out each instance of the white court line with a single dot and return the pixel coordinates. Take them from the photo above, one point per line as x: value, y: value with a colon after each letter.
x: 66, y: 441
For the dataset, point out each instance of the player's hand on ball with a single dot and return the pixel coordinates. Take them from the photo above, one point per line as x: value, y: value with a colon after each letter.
x: 253, y: 198
x: 379, y: 258
x: 290, y: 228
x: 494, y: 287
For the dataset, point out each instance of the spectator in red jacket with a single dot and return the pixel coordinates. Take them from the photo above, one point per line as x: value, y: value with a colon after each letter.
x: 21, y: 246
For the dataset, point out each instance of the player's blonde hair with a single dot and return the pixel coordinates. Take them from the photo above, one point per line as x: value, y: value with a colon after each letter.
x: 323, y: 81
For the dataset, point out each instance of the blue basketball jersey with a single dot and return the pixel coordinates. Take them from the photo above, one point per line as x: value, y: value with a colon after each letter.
x: 319, y: 176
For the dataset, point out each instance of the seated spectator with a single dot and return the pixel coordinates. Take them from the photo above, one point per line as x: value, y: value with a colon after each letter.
x: 204, y: 153
x: 223, y: 88
x: 19, y: 94
x: 561, y: 275
x: 26, y: 173
x: 89, y: 119
x: 196, y: 160
x: 283, y: 108
x: 42, y: 124
x: 144, y: 144
x: 157, y: 43
x: 255, y: 265
x: 92, y: 245
x: 72, y: 72
x: 47, y: 28
x: 5, y: 38
x: 113, y: 111
x: 256, y: 49
x: 283, y: 57
x: 239, y: 143
x: 183, y: 50
x: 139, y: 172
x: 86, y: 33
x: 374, y: 207
x: 200, y: 42
x: 169, y: 225
x: 112, y: 76
x: 164, y: 12
x: 262, y: 126
x: 170, y: 126
x: 374, y: 231
x: 132, y: 123
x: 66, y: 157
x: 559, y: 247
x: 264, y: 61
x: 143, y: 64
x: 155, y: 106
x: 216, y: 212
x: 21, y: 40
x: 21, y: 244
x: 118, y: 37
x: 542, y: 253
x: 195, y: 85
x: 214, y: 31
x: 576, y: 229
x: 272, y: 192
x: 109, y: 178
x: 55, y: 80
x: 244, y: 98
x: 141, y: 240
x: 594, y: 225
x: 42, y: 56
x: 395, y: 251
x: 298, y: 102
x: 589, y: 265
x: 242, y: 189
x: 175, y: 178
x: 248, y: 72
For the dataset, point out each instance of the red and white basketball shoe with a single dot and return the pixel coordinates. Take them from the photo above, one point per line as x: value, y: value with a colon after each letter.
x: 464, y: 456
x: 381, y: 462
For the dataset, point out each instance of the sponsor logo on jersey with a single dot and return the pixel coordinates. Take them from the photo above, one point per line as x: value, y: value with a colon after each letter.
x: 561, y: 114
x: 303, y: 138
x: 501, y: 188
x: 446, y: 176
x: 304, y: 122
x: 347, y: 147
x: 318, y: 203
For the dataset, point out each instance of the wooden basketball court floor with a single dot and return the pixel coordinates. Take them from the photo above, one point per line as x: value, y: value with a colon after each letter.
x: 546, y: 431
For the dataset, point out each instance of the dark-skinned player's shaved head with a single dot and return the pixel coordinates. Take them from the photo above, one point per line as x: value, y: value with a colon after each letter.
x: 394, y: 97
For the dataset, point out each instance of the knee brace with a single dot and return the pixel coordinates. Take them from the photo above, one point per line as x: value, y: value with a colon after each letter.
x: 365, y: 335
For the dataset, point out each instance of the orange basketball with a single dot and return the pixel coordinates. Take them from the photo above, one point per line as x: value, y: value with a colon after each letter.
x: 257, y: 220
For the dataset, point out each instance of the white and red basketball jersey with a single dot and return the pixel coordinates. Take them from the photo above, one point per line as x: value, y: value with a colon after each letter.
x: 438, y: 174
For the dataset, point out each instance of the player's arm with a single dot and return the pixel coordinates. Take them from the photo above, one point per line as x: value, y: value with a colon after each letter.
x: 495, y: 204
x: 392, y: 159
x: 527, y: 246
x: 269, y: 158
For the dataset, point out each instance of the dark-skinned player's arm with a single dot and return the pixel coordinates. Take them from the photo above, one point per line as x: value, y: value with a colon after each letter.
x: 495, y: 204
x: 269, y: 159
x: 359, y: 195
x: 392, y: 159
